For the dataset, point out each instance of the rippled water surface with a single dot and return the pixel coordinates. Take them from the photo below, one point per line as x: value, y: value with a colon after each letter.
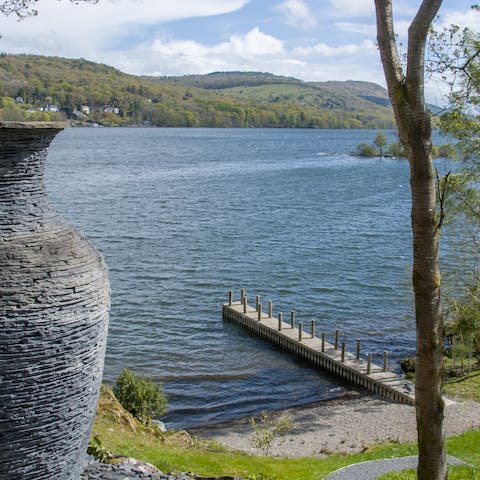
x: 184, y: 215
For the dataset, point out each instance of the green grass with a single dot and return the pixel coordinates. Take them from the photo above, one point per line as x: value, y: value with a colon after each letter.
x: 454, y: 473
x: 122, y: 435
x: 466, y: 387
x: 464, y: 447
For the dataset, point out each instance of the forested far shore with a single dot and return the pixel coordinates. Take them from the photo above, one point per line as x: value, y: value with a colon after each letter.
x: 54, y: 89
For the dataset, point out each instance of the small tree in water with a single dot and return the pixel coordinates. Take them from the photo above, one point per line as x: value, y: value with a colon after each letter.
x: 380, y: 142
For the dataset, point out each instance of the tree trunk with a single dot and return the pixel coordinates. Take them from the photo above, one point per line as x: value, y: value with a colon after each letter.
x: 413, y: 122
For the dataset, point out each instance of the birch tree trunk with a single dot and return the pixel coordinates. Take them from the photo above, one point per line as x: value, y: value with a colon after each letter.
x: 406, y: 91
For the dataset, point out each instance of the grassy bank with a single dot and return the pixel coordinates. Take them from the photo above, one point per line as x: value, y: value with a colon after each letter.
x: 465, y: 387
x: 122, y: 435
x: 465, y: 447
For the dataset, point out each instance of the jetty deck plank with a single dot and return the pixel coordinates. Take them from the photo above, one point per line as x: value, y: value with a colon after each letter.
x: 385, y: 383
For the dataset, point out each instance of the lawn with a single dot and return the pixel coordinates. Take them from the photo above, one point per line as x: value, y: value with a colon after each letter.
x: 121, y: 434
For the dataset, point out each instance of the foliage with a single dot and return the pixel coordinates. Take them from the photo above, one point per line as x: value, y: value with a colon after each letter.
x: 140, y: 396
x: 446, y: 150
x: 454, y: 53
x: 97, y: 450
x: 266, y: 430
x: 396, y: 149
x: 365, y: 149
x: 380, y: 142
x: 25, y: 8
x: 262, y: 100
x: 464, y: 322
x: 408, y: 365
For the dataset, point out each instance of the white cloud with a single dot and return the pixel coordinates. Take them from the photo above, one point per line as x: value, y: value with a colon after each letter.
x: 324, y: 50
x: 365, y: 29
x: 353, y: 8
x: 467, y: 18
x: 297, y: 13
x: 254, y: 50
x: 66, y: 29
x: 134, y: 40
x: 254, y: 43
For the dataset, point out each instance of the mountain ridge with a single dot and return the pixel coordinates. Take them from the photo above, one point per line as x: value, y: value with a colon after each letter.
x: 218, y: 99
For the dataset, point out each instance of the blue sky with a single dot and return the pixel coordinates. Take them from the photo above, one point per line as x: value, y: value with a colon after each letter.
x: 314, y: 40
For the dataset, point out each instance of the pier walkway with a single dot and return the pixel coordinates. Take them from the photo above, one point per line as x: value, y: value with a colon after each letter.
x: 317, y: 351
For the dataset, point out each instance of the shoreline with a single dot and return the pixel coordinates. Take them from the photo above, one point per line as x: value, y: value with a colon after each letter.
x: 349, y: 424
x: 226, y: 424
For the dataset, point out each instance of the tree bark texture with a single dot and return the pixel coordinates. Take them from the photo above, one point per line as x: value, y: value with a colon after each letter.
x: 406, y: 92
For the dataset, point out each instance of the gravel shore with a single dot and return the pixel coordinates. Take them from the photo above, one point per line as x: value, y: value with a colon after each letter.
x: 344, y: 425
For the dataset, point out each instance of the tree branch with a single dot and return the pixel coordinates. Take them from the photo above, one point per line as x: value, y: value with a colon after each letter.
x: 417, y: 37
x: 442, y: 188
x: 388, y: 45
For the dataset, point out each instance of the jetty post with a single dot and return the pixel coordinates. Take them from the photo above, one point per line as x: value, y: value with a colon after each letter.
x: 318, y: 352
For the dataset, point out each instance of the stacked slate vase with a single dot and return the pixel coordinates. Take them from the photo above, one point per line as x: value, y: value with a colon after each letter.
x: 54, y: 302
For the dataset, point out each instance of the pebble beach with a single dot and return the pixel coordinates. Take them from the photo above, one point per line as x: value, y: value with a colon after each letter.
x: 345, y: 425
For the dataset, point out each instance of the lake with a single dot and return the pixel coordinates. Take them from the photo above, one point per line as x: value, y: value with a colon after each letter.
x: 183, y: 215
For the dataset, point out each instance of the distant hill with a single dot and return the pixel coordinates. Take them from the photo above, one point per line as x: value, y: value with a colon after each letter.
x: 222, y: 80
x: 52, y: 87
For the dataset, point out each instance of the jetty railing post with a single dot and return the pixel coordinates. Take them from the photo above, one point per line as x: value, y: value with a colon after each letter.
x: 242, y: 295
x: 270, y: 309
x: 257, y: 302
x: 336, y: 361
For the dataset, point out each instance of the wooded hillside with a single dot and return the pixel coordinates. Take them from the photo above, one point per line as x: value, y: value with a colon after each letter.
x: 38, y: 87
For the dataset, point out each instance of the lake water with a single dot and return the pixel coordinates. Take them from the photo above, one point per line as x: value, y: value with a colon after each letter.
x: 184, y: 215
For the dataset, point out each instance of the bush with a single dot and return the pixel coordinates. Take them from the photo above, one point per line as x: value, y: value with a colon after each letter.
x: 408, y: 365
x: 140, y: 396
x: 395, y: 149
x: 364, y: 149
x: 266, y: 430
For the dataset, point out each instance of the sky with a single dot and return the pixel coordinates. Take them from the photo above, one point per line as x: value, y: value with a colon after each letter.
x: 313, y: 40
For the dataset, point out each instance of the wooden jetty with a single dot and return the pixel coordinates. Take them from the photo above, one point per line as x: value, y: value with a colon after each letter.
x: 317, y: 351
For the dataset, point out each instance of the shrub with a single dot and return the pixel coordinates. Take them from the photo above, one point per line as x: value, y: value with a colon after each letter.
x: 364, y: 149
x: 98, y: 451
x: 140, y: 396
x: 408, y: 365
x: 395, y: 149
x: 266, y: 430
x: 380, y: 142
